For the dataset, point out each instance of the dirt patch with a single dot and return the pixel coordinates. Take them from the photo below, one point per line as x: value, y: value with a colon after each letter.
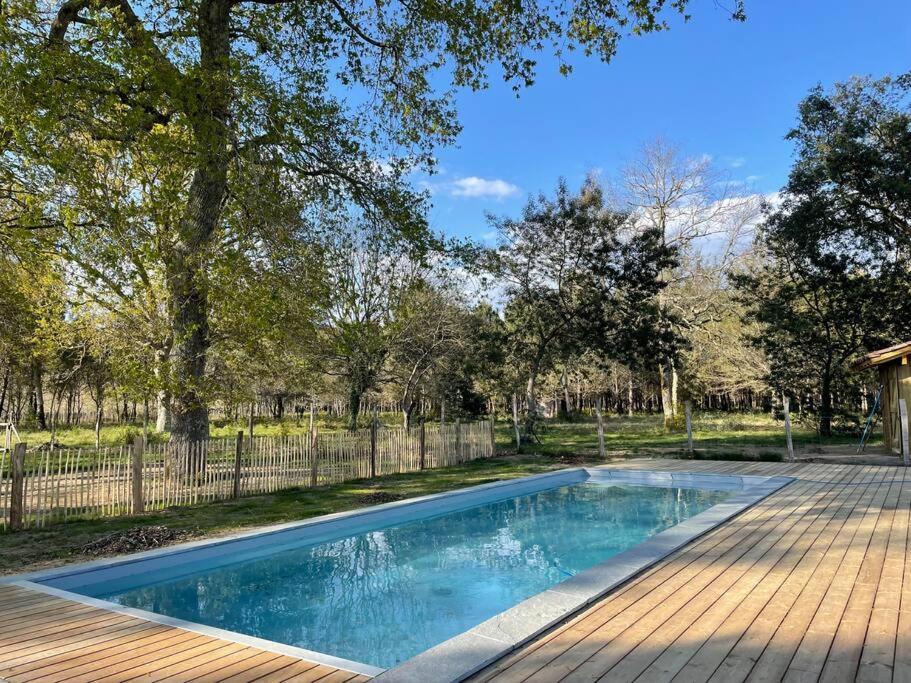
x: 378, y: 498
x: 133, y: 540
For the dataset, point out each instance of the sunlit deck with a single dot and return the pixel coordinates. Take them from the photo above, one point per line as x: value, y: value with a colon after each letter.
x: 811, y: 584
x: 47, y: 639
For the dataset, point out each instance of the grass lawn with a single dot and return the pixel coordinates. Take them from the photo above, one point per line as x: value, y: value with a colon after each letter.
x: 720, y: 433
x: 123, y: 434
x: 622, y: 433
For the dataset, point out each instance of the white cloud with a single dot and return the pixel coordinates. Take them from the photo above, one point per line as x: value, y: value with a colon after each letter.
x: 750, y: 179
x: 472, y: 186
x: 737, y: 162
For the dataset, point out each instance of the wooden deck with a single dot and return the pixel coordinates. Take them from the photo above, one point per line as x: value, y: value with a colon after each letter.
x: 811, y: 584
x: 46, y: 639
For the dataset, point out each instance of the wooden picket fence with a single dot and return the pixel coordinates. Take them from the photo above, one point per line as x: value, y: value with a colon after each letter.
x: 54, y: 486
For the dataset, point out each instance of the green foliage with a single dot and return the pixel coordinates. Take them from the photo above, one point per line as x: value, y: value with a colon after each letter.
x: 836, y: 278
x: 576, y: 278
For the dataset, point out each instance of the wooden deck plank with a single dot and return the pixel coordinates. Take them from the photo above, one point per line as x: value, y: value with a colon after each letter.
x: 670, y: 577
x: 844, y: 655
x: 691, y: 628
x: 793, y: 624
x: 580, y: 641
x: 635, y: 649
x: 287, y: 672
x: 51, y: 640
x: 766, y: 609
x: 318, y: 673
x: 243, y: 667
x: 811, y: 584
x: 818, y: 589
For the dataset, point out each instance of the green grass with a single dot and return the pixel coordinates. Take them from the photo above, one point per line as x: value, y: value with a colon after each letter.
x: 123, y: 434
x: 33, y: 549
x: 643, y: 434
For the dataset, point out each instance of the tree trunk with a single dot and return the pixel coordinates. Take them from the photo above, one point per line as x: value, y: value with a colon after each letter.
x: 531, y: 401
x: 6, y: 375
x: 37, y: 400
x: 354, y: 407
x: 665, y: 372
x: 629, y: 397
x: 563, y: 412
x: 675, y: 401
x: 186, y: 269
x: 407, y: 411
x: 162, y: 396
x: 99, y: 413
x: 825, y: 405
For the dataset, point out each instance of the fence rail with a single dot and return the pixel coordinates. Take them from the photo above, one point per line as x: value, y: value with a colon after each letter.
x: 54, y: 486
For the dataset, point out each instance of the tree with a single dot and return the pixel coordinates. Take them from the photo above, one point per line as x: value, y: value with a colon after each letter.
x: 853, y: 147
x: 233, y: 92
x: 576, y: 277
x: 370, y: 272
x: 431, y: 336
x: 696, y: 212
x: 815, y: 313
x: 839, y: 276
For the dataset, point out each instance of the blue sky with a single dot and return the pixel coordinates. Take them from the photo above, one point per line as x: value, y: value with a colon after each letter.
x: 711, y: 86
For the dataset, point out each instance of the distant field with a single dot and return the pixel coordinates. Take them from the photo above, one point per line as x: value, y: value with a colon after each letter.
x: 622, y: 433
x: 756, y: 432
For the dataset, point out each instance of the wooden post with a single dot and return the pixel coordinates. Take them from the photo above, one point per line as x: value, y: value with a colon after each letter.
x: 373, y: 446
x: 421, y: 440
x: 314, y: 457
x: 493, y: 434
x: 786, y: 406
x: 458, y: 443
x: 17, y: 492
x: 515, y: 422
x: 688, y: 408
x: 601, y: 452
x: 250, y: 424
x: 138, y: 449
x: 238, y: 454
x: 903, y: 422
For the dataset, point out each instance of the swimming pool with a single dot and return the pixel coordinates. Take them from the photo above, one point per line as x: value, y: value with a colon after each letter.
x: 373, y: 589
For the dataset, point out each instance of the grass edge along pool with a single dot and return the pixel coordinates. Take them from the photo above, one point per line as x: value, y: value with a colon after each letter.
x: 468, y: 651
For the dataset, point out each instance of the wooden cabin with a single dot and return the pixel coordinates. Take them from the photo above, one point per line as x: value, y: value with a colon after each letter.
x: 894, y: 365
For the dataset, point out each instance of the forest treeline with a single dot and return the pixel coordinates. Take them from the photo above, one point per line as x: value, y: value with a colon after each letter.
x: 320, y: 282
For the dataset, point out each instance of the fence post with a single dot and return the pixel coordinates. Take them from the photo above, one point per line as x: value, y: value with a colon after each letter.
x: 250, y: 424
x: 786, y: 406
x: 601, y: 453
x: 688, y: 408
x: 458, y: 443
x: 373, y: 446
x: 238, y: 454
x: 903, y: 420
x: 493, y: 434
x: 421, y: 441
x: 138, y: 450
x: 17, y: 493
x: 515, y: 422
x: 314, y: 457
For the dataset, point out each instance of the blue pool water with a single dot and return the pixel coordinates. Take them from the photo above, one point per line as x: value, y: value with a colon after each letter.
x: 383, y: 596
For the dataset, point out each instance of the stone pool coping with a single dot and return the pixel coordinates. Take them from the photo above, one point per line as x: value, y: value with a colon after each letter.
x: 467, y: 652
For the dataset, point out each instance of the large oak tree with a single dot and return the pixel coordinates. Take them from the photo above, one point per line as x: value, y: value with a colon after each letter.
x: 332, y: 99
